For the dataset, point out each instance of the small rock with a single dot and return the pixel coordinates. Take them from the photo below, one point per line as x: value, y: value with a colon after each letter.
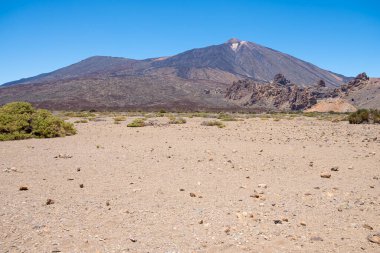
x: 107, y: 203
x: 262, y: 186
x: 375, y: 238
x: 335, y: 168
x: 256, y: 196
x: 49, y: 202
x: 277, y: 221
x: 285, y: 219
x: 181, y: 190
x: 81, y: 185
x: 132, y: 240
x: 366, y: 226
x: 192, y: 195
x: 11, y: 169
x: 325, y: 175
x: 200, y: 222
x: 316, y: 238
x: 78, y: 169
x: 64, y: 156
x: 23, y: 188
x: 302, y: 223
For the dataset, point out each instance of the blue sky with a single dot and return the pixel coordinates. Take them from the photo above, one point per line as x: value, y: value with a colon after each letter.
x: 38, y: 36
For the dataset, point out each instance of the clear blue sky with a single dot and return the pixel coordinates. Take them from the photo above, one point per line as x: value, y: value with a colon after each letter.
x: 39, y: 36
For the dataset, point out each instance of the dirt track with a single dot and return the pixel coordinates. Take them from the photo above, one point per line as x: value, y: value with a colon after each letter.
x: 257, y: 187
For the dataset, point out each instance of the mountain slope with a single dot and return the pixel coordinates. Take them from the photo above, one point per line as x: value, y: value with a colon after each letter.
x: 195, y: 78
x: 247, y: 59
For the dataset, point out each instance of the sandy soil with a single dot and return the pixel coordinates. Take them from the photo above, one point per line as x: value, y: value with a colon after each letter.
x: 256, y: 187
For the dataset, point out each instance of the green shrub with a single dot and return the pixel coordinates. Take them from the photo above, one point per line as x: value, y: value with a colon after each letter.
x: 19, y: 120
x: 213, y: 123
x: 376, y: 116
x: 119, y: 119
x: 364, y: 116
x: 174, y: 120
x: 79, y: 114
x: 226, y: 117
x: 359, y: 117
x: 139, y: 122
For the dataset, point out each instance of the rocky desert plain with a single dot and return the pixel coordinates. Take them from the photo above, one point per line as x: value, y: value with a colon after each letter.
x: 264, y: 183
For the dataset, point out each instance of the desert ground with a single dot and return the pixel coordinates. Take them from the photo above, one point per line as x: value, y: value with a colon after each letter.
x: 257, y: 185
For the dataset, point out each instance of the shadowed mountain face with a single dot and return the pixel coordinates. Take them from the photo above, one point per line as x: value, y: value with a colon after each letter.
x: 196, y: 77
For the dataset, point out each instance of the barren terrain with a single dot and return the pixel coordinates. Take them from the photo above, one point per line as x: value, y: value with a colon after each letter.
x: 254, y: 186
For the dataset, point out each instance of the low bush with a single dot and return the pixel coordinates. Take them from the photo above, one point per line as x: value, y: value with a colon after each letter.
x: 226, y: 117
x: 364, y: 116
x: 139, y: 122
x: 175, y: 120
x: 79, y: 114
x: 19, y: 120
x: 119, y: 119
x: 213, y: 123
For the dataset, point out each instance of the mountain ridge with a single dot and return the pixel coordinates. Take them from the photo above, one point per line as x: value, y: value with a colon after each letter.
x: 235, y: 57
x: 196, y: 79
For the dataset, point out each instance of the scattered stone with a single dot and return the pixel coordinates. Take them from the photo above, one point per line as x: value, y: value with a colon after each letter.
x: 262, y: 186
x: 375, y: 238
x: 11, y: 169
x: 325, y: 175
x: 366, y: 226
x: 49, y: 202
x: 23, y: 188
x: 316, y: 238
x: 192, y: 195
x: 63, y: 156
x: 256, y: 196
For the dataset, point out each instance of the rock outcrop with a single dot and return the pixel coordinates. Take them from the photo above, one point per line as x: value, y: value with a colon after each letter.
x: 281, y: 94
x: 278, y: 95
